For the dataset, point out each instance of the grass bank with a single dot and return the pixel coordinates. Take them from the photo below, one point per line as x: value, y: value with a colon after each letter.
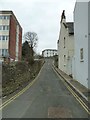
x: 18, y: 74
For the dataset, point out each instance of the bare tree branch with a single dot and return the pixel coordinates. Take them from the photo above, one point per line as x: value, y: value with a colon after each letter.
x: 32, y: 38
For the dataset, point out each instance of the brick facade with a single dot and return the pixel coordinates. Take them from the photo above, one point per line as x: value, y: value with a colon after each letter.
x: 14, y: 32
x: 12, y: 38
x: 20, y: 44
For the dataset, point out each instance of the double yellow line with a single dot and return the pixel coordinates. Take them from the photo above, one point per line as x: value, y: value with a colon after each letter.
x: 86, y: 108
x: 19, y: 93
x: 79, y: 100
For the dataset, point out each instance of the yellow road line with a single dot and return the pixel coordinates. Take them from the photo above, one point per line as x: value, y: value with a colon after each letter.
x: 20, y: 93
x: 75, y: 95
x: 79, y: 100
x: 9, y: 101
x: 13, y: 97
x: 17, y: 95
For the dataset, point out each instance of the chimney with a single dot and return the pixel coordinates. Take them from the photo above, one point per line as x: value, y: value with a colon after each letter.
x: 63, y: 17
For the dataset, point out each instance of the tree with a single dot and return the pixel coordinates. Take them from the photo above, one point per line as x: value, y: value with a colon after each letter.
x: 32, y: 39
x: 25, y: 51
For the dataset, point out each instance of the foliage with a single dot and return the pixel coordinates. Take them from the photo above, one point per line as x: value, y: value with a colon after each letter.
x: 18, y: 74
x: 26, y: 51
x: 31, y: 38
x: 56, y: 60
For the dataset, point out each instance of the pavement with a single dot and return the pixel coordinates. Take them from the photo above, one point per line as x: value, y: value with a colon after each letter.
x: 46, y: 97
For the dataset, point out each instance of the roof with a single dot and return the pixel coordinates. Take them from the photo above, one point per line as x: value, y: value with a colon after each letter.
x: 49, y: 50
x: 70, y: 26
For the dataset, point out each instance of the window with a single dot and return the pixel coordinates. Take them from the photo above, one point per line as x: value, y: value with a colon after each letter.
x: 7, y: 27
x: 0, y: 52
x: 8, y: 17
x: 4, y: 17
x: 64, y: 58
x: 4, y: 27
x: 3, y: 52
x: 7, y: 37
x: 3, y: 37
x: 0, y: 37
x: 64, y: 42
x: 1, y: 27
x: 0, y: 17
x: 81, y: 54
x: 6, y: 52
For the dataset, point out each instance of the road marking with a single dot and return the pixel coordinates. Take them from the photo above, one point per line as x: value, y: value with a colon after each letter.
x: 79, y: 100
x: 20, y: 93
x: 17, y: 95
x: 74, y: 94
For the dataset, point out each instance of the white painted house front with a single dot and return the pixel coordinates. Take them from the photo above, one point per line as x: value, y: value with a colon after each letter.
x: 81, y: 42
x: 49, y: 52
x: 66, y: 45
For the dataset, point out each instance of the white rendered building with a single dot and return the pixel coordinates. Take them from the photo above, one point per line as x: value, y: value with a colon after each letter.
x: 81, y: 42
x: 66, y: 45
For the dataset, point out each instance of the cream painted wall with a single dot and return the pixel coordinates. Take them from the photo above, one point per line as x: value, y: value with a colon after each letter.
x: 4, y: 43
x: 70, y: 54
x: 4, y: 22
x: 65, y: 64
x: 62, y: 51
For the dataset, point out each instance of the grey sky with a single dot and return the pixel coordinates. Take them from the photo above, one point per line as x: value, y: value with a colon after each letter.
x: 42, y: 17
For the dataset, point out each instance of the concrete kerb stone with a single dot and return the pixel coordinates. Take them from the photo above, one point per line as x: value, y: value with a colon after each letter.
x: 68, y: 82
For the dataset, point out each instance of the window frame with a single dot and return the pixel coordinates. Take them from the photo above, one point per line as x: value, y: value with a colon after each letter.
x: 64, y: 42
x: 81, y: 55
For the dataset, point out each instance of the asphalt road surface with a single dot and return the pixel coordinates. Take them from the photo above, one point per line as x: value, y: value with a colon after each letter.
x: 46, y: 98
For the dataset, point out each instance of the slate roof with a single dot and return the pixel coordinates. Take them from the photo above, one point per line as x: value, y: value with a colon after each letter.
x: 70, y: 26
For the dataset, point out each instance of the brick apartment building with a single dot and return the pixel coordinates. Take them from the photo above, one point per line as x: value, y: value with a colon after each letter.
x: 10, y: 36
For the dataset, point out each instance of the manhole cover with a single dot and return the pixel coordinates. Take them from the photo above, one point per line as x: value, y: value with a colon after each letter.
x: 59, y: 112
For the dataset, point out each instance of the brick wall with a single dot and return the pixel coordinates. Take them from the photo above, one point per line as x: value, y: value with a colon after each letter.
x: 12, y: 38
x: 20, y: 44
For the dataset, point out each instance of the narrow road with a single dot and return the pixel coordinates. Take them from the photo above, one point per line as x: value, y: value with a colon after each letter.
x: 46, y: 98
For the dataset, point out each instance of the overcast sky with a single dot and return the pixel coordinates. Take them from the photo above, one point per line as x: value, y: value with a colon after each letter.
x: 42, y: 17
